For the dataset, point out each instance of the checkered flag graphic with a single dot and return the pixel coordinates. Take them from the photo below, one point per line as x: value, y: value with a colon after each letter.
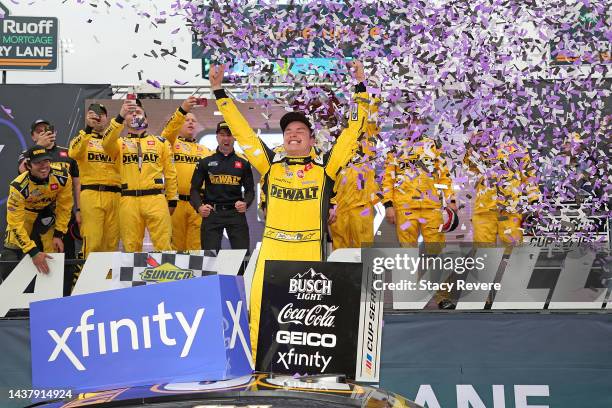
x: 142, y: 268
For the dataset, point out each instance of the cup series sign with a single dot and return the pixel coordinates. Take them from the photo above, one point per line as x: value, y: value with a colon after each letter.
x: 309, y: 320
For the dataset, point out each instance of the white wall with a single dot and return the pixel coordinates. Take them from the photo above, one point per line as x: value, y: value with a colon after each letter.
x: 103, y: 46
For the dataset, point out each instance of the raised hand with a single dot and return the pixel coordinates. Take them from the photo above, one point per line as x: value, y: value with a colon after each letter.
x: 215, y: 76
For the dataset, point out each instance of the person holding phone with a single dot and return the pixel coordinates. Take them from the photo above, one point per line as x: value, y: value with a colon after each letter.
x: 101, y: 184
x: 44, y: 134
x: 148, y: 179
x: 180, y: 132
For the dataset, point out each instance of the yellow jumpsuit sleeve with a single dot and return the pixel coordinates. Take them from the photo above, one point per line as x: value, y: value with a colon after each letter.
x: 444, y: 176
x: 63, y: 207
x: 388, y: 181
x: 173, y: 127
x: 78, y: 145
x: 169, y: 172
x: 15, y: 220
x: 258, y: 154
x: 110, y: 142
x: 343, y: 149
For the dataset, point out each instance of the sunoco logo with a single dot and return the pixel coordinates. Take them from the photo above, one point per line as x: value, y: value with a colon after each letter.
x: 164, y: 273
x: 310, y: 285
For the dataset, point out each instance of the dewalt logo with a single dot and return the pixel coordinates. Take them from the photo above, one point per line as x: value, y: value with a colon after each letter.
x: 183, y: 158
x: 146, y: 158
x: 294, y: 194
x: 165, y: 273
x: 225, y: 179
x: 99, y: 157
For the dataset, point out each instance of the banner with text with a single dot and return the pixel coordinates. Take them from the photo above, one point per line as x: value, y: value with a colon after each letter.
x: 309, y: 323
x: 190, y: 330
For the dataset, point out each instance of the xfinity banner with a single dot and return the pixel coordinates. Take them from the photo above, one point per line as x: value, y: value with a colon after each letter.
x: 318, y: 318
x: 190, y: 330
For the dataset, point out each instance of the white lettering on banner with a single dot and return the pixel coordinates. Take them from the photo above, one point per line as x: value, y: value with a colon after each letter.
x: 14, y: 27
x: 306, y: 339
x: 310, y: 285
x: 84, y: 327
x: 467, y: 396
x: 237, y: 331
x: 308, y: 317
x: 309, y: 360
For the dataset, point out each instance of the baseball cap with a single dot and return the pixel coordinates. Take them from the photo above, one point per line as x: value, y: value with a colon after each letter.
x: 38, y: 122
x: 223, y: 125
x: 98, y: 107
x: 37, y: 153
x: 294, y: 117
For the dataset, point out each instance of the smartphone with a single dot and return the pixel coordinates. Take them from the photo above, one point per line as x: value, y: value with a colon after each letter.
x: 131, y: 97
x: 202, y: 102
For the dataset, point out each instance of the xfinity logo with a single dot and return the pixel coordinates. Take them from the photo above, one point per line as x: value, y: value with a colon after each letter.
x: 140, y: 333
x: 310, y: 285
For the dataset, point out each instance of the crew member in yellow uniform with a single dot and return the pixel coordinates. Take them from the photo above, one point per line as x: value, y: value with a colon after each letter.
x: 147, y: 174
x: 415, y: 179
x: 506, y: 185
x: 180, y: 131
x: 352, y: 218
x: 39, y: 205
x: 100, y: 184
x: 297, y: 185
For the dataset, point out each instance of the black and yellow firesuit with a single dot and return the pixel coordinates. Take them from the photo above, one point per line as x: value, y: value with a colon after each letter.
x: 297, y: 193
x: 29, y: 198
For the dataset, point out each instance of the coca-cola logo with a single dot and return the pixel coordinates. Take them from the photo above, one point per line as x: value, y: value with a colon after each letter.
x: 318, y: 315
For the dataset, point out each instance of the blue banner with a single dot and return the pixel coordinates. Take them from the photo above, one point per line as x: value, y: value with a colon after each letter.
x: 191, y: 330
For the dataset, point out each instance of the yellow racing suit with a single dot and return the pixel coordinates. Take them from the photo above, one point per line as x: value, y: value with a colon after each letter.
x: 30, y: 198
x: 355, y: 196
x: 297, y: 193
x: 147, y: 173
x: 100, y: 192
x: 186, y: 221
x: 506, y: 179
x: 415, y: 178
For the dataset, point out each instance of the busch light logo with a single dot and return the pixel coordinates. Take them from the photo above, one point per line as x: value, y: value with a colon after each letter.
x: 310, y: 285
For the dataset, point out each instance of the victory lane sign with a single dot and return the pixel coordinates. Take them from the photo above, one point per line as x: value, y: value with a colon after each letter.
x: 28, y: 42
x: 310, y: 319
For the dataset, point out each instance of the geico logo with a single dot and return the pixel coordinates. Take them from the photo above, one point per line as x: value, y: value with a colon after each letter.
x: 225, y: 179
x: 130, y: 327
x: 146, y: 158
x: 99, y: 157
x: 319, y: 315
x: 306, y: 339
x: 183, y: 158
x: 310, y: 286
x: 294, y: 194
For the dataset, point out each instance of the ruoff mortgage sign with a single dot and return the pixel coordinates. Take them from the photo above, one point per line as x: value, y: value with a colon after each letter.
x: 27, y: 42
